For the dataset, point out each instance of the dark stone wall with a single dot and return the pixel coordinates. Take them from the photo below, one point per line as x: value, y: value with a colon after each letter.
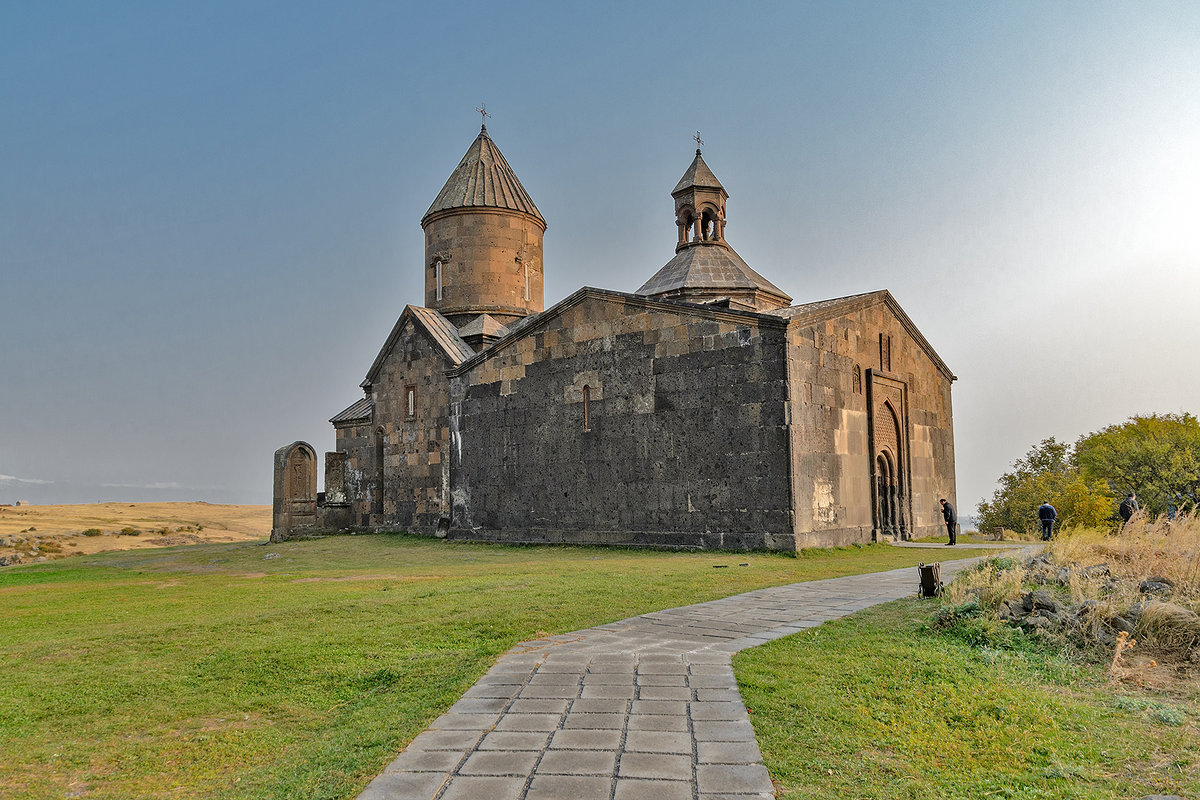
x: 685, y: 441
x: 355, y: 440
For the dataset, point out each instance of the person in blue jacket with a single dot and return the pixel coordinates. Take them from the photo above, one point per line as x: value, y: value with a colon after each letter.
x: 1047, y: 514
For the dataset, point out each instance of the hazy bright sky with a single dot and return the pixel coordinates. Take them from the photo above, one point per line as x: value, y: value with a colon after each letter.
x: 209, y: 212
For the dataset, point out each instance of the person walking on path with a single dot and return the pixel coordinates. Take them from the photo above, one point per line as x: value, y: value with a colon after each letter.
x: 951, y: 520
x: 1047, y: 514
x: 1128, y: 507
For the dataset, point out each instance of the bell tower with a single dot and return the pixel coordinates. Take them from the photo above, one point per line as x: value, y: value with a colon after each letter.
x: 483, y: 243
x: 699, y: 205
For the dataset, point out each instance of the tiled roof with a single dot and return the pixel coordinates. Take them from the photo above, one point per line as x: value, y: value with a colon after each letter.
x: 698, y: 174
x: 445, y: 334
x: 483, y: 179
x: 709, y: 265
x: 439, y: 329
x: 358, y: 410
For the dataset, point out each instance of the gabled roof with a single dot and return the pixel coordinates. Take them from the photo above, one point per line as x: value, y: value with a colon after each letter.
x: 483, y: 179
x: 359, y: 410
x: 813, y: 313
x: 698, y: 174
x: 708, y: 265
x: 437, y: 328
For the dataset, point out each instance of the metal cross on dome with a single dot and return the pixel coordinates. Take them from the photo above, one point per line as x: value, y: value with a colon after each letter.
x: 483, y: 113
x: 699, y: 141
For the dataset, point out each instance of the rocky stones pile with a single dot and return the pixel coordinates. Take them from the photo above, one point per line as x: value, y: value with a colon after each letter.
x: 1138, y: 608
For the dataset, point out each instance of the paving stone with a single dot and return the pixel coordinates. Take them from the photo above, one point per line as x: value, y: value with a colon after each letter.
x: 406, y: 785
x: 587, y: 740
x: 528, y: 722
x: 607, y: 690
x: 733, y: 778
x: 728, y: 752
x: 550, y: 691
x: 499, y: 762
x: 676, y: 707
x: 514, y: 740
x: 621, y: 678
x: 657, y: 722
x: 578, y: 762
x: 635, y: 789
x: 654, y: 679
x: 464, y: 722
x: 554, y: 678
x: 664, y: 693
x: 479, y: 705
x: 539, y: 705
x: 668, y: 766
x: 600, y: 705
x: 712, y: 682
x: 718, y: 711
x: 468, y: 787
x: 718, y: 695
x: 573, y: 720
x: 658, y: 742
x: 445, y: 740
x: 723, y: 731
x: 425, y: 761
x: 566, y: 787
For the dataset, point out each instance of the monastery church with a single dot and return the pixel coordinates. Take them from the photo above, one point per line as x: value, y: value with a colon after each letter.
x: 704, y: 410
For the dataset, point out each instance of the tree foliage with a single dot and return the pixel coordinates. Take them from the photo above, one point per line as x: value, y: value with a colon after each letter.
x: 1156, y: 456
x: 1047, y: 473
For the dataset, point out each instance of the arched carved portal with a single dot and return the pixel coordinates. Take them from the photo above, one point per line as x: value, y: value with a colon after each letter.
x: 890, y: 488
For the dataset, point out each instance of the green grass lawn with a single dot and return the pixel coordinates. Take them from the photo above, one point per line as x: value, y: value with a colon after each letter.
x: 878, y: 706
x: 298, y: 670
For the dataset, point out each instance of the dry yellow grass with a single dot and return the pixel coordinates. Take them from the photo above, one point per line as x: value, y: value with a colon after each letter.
x: 1140, y: 550
x: 32, y: 532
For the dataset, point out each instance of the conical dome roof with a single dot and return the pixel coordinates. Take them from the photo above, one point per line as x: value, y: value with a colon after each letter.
x: 483, y: 179
x: 697, y: 175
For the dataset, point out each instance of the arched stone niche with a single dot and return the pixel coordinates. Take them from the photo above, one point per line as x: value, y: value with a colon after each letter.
x: 294, y: 504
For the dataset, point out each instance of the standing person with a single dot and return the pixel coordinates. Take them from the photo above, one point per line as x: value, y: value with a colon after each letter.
x: 951, y: 520
x: 1128, y: 507
x: 1047, y: 514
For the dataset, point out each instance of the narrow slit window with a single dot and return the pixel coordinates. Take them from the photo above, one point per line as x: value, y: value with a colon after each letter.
x: 437, y: 269
x: 526, y: 268
x: 587, y: 396
x: 410, y: 400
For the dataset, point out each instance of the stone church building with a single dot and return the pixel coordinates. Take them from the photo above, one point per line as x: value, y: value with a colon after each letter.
x: 706, y: 409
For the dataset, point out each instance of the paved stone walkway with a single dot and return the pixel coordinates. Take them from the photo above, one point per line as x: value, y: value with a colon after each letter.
x: 642, y: 709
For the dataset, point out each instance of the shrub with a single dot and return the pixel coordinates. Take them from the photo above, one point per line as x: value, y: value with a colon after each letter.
x: 93, y: 532
x: 129, y: 532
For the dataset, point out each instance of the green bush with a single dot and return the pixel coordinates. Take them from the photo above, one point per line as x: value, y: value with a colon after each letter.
x: 93, y: 532
x: 129, y: 532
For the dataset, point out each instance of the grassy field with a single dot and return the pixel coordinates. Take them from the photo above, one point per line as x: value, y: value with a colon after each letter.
x: 50, y: 532
x: 878, y: 705
x: 298, y: 670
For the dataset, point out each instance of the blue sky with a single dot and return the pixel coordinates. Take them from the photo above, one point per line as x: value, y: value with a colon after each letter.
x: 209, y: 213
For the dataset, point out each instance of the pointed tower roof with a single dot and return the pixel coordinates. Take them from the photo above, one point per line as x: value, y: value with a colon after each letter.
x: 698, y: 175
x: 483, y: 179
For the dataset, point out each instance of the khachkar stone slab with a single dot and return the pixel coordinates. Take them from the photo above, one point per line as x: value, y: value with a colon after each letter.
x: 294, y: 495
x: 646, y: 707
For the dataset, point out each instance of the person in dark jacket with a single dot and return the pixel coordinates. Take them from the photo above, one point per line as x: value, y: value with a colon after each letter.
x: 951, y: 519
x: 1128, y: 507
x: 1047, y: 514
